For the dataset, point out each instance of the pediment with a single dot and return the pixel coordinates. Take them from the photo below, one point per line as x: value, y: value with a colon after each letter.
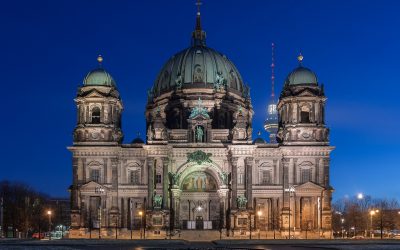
x: 308, y: 186
x: 95, y: 93
x: 306, y: 93
x: 200, y: 117
x: 91, y: 186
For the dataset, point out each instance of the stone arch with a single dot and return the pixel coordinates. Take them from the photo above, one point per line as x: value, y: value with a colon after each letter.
x: 211, y: 168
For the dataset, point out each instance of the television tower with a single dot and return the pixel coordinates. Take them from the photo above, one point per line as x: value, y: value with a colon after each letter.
x: 271, y: 123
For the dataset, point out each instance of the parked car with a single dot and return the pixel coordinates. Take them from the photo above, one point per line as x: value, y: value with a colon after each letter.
x: 37, y: 236
x: 358, y: 237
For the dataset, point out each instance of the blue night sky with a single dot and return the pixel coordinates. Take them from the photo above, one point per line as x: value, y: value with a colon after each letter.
x: 47, y: 47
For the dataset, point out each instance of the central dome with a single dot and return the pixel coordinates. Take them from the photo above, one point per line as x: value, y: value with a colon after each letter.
x: 197, y: 66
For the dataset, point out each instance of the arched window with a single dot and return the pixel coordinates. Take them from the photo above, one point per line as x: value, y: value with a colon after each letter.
x: 305, y: 175
x: 134, y: 177
x: 305, y: 115
x: 96, y: 115
x: 95, y: 175
x: 266, y: 177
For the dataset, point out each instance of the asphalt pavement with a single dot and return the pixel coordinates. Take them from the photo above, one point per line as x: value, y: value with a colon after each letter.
x: 68, y: 244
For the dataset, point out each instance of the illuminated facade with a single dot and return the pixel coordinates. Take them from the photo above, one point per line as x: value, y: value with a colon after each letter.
x: 199, y: 168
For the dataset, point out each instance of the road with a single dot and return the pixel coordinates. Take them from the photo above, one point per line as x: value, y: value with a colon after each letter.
x: 67, y: 244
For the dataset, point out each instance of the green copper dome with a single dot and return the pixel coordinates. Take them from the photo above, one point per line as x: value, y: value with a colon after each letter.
x: 99, y: 77
x: 301, y: 75
x: 198, y: 65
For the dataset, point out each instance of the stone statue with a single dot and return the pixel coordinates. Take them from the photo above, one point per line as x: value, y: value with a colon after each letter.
x: 199, y: 134
x: 174, y: 178
x: 241, y: 201
x: 178, y: 82
x: 157, y: 201
x: 150, y: 133
x: 219, y: 81
x: 199, y: 110
x: 224, y: 177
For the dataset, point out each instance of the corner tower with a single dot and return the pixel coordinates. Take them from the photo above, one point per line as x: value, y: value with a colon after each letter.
x: 99, y: 109
x: 301, y: 109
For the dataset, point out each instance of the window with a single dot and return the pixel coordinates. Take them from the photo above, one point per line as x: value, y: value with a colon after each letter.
x: 242, y: 221
x: 158, y: 178
x: 305, y: 175
x: 96, y: 115
x: 134, y: 177
x: 95, y: 175
x: 240, y: 178
x: 266, y: 177
x: 305, y: 117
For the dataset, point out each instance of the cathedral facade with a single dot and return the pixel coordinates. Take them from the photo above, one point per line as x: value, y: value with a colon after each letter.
x: 199, y: 168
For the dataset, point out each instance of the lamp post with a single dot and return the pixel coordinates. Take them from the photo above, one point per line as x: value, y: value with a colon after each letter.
x: 291, y: 190
x: 360, y: 197
x: 49, y: 214
x: 99, y: 190
x: 342, y: 221
x: 131, y: 216
x: 141, y: 219
x: 381, y: 217
x: 259, y: 213
x: 371, y: 213
x: 250, y: 224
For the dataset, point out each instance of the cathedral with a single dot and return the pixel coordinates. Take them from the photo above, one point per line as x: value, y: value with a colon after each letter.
x: 198, y: 167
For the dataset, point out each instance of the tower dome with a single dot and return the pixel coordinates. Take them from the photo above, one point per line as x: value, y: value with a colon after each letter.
x: 301, y: 75
x: 99, y: 76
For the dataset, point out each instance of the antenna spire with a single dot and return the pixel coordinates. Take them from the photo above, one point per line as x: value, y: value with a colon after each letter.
x: 272, y: 70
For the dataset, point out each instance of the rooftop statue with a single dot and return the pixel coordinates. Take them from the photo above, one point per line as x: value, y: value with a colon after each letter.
x: 199, y: 110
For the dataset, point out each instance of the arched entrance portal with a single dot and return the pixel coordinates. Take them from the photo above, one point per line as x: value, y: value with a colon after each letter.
x: 199, y: 201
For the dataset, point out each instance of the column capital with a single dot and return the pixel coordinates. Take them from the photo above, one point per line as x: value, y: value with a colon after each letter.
x: 176, y: 193
x: 248, y: 160
x: 223, y: 192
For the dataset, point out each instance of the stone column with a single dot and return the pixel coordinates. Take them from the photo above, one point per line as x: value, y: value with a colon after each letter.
x: 297, y: 213
x: 249, y: 181
x: 176, y: 195
x: 295, y: 180
x: 150, y: 182
x: 234, y: 177
x: 74, y: 190
x: 105, y: 174
x: 84, y: 170
x: 223, y: 196
x: 326, y: 172
x: 165, y: 182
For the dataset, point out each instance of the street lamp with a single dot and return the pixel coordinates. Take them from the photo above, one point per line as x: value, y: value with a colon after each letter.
x: 342, y: 221
x: 49, y: 214
x: 360, y: 196
x: 141, y: 214
x: 371, y: 213
x: 381, y: 216
x: 291, y: 190
x: 100, y: 191
x: 259, y: 213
